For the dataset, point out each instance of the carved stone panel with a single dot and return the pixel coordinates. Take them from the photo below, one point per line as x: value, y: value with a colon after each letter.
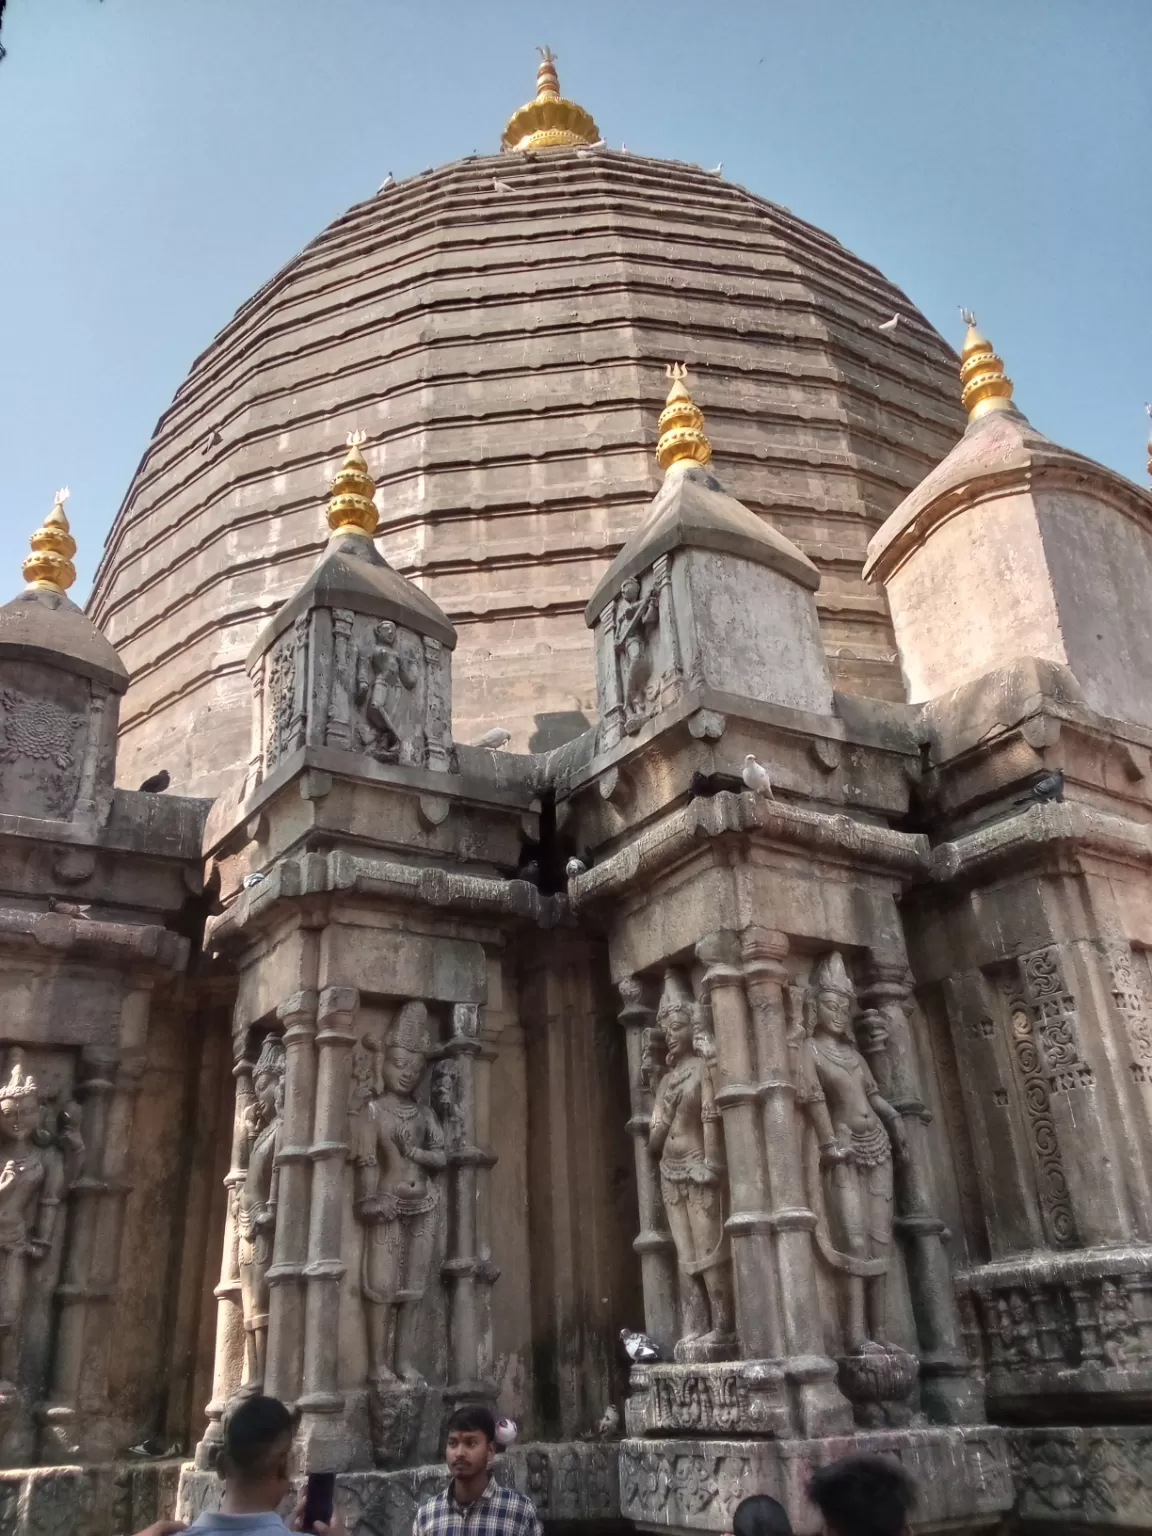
x: 739, y: 1399
x: 44, y: 735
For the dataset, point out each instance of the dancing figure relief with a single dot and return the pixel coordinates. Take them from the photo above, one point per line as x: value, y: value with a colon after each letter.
x: 255, y: 1204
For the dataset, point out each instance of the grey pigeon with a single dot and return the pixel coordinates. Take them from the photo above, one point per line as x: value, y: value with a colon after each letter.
x: 157, y: 784
x: 1044, y: 791
x: 496, y: 738
x: 575, y: 867
x: 507, y: 1432
x: 755, y: 776
x: 78, y: 909
x: 639, y: 1348
x: 250, y: 880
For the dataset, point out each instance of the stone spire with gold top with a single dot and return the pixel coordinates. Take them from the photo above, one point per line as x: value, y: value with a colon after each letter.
x: 352, y: 504
x: 49, y: 567
x: 986, y: 386
x: 549, y: 122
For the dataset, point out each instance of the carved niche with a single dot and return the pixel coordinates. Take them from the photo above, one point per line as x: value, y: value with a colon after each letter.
x: 397, y: 1148
x: 640, y: 664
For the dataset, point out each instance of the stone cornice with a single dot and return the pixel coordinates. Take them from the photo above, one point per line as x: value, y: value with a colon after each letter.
x: 860, y: 843
x: 339, y: 872
x: 144, y: 944
x: 1038, y: 831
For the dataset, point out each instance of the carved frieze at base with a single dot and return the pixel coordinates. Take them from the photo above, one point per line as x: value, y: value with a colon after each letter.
x: 962, y: 1474
x: 879, y: 1384
x: 744, y: 1398
x: 1096, y: 1479
x: 395, y: 1414
x: 1063, y: 1332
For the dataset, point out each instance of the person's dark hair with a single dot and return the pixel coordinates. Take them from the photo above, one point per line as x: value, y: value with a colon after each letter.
x: 761, y: 1516
x: 474, y: 1419
x: 256, y: 1431
x: 863, y: 1496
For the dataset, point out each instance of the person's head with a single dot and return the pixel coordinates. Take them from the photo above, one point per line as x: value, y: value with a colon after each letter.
x: 863, y: 1496
x: 407, y: 1050
x: 256, y: 1452
x: 760, y: 1516
x: 471, y: 1441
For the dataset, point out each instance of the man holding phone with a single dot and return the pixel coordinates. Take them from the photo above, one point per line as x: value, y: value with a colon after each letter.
x: 474, y: 1504
x: 255, y: 1462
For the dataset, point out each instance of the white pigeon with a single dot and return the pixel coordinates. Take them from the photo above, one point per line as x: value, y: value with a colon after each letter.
x: 717, y: 169
x: 609, y: 1425
x: 575, y: 867
x: 250, y: 880
x: 495, y: 739
x: 639, y: 1348
x: 506, y: 1432
x: 623, y: 149
x: 502, y: 186
x: 389, y: 181
x: 890, y: 325
x: 599, y: 144
x: 755, y: 776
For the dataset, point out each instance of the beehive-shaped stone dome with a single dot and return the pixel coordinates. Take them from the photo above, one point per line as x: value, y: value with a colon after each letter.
x: 499, y: 328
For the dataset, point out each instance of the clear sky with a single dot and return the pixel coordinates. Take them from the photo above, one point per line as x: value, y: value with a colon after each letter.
x: 161, y: 159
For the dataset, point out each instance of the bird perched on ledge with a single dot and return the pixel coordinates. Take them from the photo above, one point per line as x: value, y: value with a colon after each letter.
x: 494, y: 739
x: 755, y: 776
x: 575, y: 867
x: 639, y: 1348
x: 506, y: 1432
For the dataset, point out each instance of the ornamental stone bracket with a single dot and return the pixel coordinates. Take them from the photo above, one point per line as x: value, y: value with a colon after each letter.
x: 145, y: 944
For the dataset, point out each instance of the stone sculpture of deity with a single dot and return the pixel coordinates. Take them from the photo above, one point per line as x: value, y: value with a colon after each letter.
x: 255, y: 1203
x: 398, y: 1149
x: 638, y: 616
x: 383, y: 675
x: 856, y: 1133
x: 686, y: 1136
x: 33, y: 1181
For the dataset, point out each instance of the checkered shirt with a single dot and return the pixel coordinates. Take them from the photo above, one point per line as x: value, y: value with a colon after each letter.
x: 497, y: 1512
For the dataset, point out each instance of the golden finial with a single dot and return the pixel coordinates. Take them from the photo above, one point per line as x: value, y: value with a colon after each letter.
x: 549, y: 122
x: 49, y: 567
x: 682, y: 439
x: 351, y: 508
x: 986, y: 386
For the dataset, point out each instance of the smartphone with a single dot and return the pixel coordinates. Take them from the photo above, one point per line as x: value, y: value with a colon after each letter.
x: 319, y: 1499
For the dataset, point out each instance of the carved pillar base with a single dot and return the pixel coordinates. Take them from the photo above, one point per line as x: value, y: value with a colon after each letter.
x: 395, y: 1412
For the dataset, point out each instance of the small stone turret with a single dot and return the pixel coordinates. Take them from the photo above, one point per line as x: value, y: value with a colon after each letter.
x: 1014, y: 546
x: 705, y: 595
x: 60, y: 687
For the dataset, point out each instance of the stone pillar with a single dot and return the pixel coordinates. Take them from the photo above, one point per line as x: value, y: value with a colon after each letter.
x: 611, y: 704
x: 461, y: 1262
x: 673, y: 680
x: 298, y: 725
x: 949, y: 1395
x: 229, y: 1357
x: 323, y: 1437
x: 294, y: 1160
x: 437, y: 705
x: 341, y: 682
x: 810, y: 1371
x: 654, y: 1241
x: 737, y: 1097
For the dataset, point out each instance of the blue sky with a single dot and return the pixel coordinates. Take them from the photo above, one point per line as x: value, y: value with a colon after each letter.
x: 163, y: 158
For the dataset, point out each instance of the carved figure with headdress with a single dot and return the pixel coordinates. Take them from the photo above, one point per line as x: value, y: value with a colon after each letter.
x: 849, y: 1167
x: 383, y: 675
x: 34, y: 1179
x: 685, y: 1135
x: 638, y: 616
x: 398, y: 1150
x: 256, y: 1201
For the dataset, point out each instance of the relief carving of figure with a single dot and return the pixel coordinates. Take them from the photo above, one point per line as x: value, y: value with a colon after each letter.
x: 255, y: 1207
x: 398, y: 1149
x: 637, y: 618
x: 36, y: 1168
x: 383, y: 675
x: 686, y: 1136
x: 856, y: 1132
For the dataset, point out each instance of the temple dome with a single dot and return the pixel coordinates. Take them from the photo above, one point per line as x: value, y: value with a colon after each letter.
x: 499, y: 328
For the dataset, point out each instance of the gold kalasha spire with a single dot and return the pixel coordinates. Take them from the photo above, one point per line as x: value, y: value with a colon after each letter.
x: 549, y: 122
x: 986, y: 386
x: 49, y: 567
x: 682, y: 439
x: 351, y: 508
